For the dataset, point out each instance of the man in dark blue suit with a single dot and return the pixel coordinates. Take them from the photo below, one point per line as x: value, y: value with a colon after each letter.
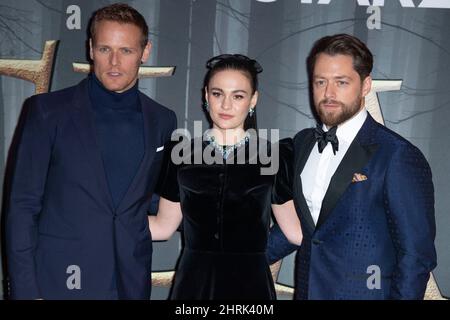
x: 363, y: 193
x: 86, y: 163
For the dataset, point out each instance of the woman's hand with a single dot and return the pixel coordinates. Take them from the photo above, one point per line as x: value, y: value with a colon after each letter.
x: 166, y: 222
x: 288, y: 221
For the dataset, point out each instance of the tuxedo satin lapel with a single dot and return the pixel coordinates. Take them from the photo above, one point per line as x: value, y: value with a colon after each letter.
x: 151, y: 129
x: 357, y: 156
x: 303, y: 148
x: 83, y: 118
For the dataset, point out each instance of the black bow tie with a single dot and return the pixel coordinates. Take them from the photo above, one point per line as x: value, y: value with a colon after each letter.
x: 324, y: 137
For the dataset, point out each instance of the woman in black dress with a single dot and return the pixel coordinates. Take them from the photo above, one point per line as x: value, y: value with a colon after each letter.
x: 226, y: 203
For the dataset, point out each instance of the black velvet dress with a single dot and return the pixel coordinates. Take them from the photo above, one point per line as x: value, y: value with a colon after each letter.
x: 226, y: 215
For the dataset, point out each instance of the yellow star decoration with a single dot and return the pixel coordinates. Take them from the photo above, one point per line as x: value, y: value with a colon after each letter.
x: 36, y: 71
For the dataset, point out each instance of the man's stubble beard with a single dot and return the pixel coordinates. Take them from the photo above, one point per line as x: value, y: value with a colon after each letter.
x: 331, y: 119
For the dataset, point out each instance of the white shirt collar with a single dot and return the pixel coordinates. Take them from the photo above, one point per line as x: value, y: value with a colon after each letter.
x: 348, y: 130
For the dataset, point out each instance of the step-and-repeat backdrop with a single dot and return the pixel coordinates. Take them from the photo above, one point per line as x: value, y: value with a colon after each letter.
x: 40, y: 41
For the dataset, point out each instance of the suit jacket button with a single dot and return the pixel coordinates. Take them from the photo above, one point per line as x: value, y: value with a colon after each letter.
x: 216, y: 235
x: 316, y: 242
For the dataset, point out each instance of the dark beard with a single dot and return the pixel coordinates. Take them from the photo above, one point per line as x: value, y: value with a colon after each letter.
x: 347, y: 112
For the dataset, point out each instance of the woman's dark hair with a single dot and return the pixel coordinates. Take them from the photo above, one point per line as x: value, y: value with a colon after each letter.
x: 344, y: 44
x: 249, y: 67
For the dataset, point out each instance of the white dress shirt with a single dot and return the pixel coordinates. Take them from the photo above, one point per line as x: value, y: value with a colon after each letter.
x: 320, y: 167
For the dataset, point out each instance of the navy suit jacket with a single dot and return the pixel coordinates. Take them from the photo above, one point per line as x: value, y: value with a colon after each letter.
x: 383, y: 225
x: 60, y: 211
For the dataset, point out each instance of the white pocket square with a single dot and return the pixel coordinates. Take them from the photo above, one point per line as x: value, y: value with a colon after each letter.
x: 160, y: 149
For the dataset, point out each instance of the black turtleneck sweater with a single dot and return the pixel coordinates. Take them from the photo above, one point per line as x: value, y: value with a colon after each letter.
x: 120, y: 134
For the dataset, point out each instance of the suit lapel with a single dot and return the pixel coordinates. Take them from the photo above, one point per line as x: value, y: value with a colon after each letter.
x: 83, y: 118
x: 305, y: 147
x: 358, y: 155
x: 151, y: 129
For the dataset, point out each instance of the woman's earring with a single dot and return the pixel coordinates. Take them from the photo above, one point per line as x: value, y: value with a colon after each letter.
x: 251, y: 111
x: 206, y: 106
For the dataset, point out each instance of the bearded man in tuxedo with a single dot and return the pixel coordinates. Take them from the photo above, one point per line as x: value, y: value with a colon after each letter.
x: 363, y: 193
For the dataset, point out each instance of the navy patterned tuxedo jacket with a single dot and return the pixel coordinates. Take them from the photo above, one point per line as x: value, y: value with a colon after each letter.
x: 374, y: 238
